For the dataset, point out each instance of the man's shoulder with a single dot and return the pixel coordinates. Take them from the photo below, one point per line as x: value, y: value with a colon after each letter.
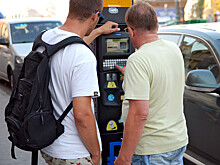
x: 170, y: 43
x: 80, y: 53
x: 81, y: 49
x: 139, y: 60
x: 133, y: 57
x: 77, y: 52
x: 56, y: 35
x: 138, y: 56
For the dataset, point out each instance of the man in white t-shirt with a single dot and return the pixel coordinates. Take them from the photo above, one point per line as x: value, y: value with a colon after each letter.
x: 74, y: 77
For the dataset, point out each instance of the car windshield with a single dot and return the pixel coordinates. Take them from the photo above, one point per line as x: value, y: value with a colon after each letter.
x: 27, y: 32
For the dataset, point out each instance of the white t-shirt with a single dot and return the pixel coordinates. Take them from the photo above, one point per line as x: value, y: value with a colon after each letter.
x: 73, y: 74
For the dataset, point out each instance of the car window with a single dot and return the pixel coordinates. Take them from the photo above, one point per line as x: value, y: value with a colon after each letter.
x: 170, y: 37
x: 198, y: 56
x: 27, y: 32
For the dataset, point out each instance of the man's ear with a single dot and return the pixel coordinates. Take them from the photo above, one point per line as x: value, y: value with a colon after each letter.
x: 94, y: 17
x: 157, y: 27
x: 131, y: 32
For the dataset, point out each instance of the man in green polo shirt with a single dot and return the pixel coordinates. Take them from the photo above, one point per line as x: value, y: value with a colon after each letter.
x: 155, y: 130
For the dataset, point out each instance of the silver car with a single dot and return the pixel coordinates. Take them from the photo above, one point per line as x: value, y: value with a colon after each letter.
x: 16, y: 40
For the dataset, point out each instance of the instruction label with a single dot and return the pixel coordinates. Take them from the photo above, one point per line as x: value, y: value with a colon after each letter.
x: 117, y: 3
x: 112, y: 126
x: 111, y: 85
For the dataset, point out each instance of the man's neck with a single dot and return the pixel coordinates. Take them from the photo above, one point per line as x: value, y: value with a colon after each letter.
x: 146, y: 38
x: 75, y: 26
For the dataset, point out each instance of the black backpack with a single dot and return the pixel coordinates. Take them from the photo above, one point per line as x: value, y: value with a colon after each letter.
x: 29, y: 113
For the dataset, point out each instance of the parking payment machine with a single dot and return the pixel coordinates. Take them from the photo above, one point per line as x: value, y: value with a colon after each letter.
x: 111, y: 49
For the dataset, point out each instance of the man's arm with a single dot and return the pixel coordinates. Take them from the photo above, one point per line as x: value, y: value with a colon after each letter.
x: 107, y: 28
x: 134, y: 126
x: 86, y: 126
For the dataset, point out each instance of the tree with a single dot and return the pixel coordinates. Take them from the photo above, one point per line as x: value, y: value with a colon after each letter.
x: 217, y: 5
x: 197, y: 10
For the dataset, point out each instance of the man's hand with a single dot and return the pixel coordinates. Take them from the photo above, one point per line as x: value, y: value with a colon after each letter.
x: 96, y: 159
x: 108, y: 27
x: 122, y: 70
x: 119, y: 161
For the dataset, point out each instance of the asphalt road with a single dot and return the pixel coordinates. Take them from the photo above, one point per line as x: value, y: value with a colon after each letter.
x: 23, y: 157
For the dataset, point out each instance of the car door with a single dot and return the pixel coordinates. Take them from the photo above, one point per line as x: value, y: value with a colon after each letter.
x: 202, y: 110
x: 5, y: 53
x: 1, y: 50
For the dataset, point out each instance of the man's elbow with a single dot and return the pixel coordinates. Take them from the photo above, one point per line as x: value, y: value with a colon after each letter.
x: 82, y: 117
x: 139, y: 108
x: 143, y: 116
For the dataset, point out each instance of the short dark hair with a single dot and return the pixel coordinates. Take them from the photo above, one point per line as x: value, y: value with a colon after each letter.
x: 141, y: 16
x: 83, y: 9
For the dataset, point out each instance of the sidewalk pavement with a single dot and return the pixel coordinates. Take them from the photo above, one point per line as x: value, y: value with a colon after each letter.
x: 23, y: 157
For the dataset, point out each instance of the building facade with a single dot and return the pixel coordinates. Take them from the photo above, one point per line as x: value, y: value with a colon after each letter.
x: 169, y: 8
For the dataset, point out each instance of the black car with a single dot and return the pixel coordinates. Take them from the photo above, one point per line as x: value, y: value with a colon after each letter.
x: 200, y: 46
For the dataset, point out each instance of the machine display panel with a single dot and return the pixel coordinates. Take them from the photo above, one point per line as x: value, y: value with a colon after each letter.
x: 117, y: 45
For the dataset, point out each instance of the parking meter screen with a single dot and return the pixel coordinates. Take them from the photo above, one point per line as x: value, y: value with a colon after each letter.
x: 117, y: 45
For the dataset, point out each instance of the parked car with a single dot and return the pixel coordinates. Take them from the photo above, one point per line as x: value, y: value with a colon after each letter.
x: 16, y: 40
x: 200, y: 46
x: 1, y: 15
x: 165, y: 21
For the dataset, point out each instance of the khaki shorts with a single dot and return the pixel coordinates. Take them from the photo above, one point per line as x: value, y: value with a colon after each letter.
x: 56, y: 161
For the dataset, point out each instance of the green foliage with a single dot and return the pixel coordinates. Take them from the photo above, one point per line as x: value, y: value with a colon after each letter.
x: 197, y: 10
x: 217, y: 4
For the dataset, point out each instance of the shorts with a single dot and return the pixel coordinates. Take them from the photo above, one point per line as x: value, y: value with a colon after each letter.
x: 56, y: 161
x: 172, y: 158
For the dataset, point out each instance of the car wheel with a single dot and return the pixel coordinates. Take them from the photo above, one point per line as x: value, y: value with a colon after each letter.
x: 11, y: 79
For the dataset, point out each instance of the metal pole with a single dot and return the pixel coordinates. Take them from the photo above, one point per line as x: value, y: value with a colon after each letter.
x: 177, y: 10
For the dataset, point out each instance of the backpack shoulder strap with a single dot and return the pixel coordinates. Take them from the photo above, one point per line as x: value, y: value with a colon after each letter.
x: 68, y: 108
x: 38, y: 41
x: 52, y: 49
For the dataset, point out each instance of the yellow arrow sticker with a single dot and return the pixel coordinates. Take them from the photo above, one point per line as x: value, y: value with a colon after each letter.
x: 111, y: 85
x: 112, y: 126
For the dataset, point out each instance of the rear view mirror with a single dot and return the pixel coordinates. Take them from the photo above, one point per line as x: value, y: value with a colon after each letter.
x: 202, y: 80
x: 3, y: 41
